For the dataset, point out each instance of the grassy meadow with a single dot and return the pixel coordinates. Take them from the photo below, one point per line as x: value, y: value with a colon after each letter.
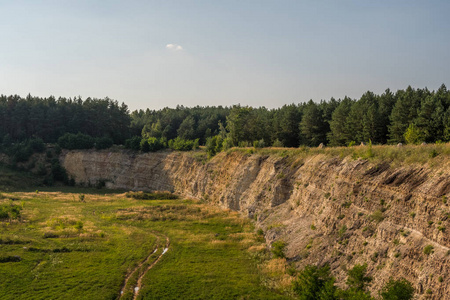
x: 82, y: 244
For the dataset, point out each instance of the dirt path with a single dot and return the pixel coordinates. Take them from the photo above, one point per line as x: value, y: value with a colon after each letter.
x: 139, y: 282
x: 138, y: 267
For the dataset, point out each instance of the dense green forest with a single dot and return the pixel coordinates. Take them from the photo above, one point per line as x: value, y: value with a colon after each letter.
x: 410, y: 115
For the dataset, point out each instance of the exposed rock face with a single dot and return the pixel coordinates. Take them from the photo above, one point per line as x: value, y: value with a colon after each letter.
x: 329, y: 210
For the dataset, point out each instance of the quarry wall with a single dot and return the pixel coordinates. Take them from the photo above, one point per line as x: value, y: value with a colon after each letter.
x: 328, y: 209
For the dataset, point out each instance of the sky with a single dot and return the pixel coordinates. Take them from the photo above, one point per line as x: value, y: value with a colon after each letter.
x: 155, y: 54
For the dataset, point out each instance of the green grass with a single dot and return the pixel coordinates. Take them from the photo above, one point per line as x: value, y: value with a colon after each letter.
x: 432, y: 154
x: 70, y: 249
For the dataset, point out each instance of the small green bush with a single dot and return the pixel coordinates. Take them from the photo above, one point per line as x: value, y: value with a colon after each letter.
x: 428, y: 249
x: 10, y: 211
x: 103, y: 143
x: 81, y: 197
x: 134, y: 143
x: 183, y: 145
x: 397, y: 290
x: 76, y: 141
x: 78, y: 225
x: 342, y: 231
x: 377, y: 216
x: 278, y: 249
x: 259, y: 144
x: 357, y: 278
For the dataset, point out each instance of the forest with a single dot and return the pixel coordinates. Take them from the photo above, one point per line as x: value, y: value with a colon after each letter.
x: 406, y: 116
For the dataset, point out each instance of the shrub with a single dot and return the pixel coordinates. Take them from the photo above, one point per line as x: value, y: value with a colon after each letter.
x: 433, y: 153
x: 277, y: 143
x: 144, y: 146
x: 21, y: 151
x: 37, y: 145
x: 413, y: 135
x: 58, y: 172
x: 357, y: 278
x: 134, y: 143
x: 377, y: 216
x: 214, y: 145
x: 315, y: 283
x: 278, y: 249
x: 397, y: 290
x: 180, y: 144
x: 428, y: 249
x: 342, y: 231
x: 78, y: 225
x: 10, y: 211
x: 76, y: 141
x: 103, y: 143
x: 259, y: 144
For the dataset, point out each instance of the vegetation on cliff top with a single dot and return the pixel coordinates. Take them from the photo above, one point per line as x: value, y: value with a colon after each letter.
x: 411, y: 115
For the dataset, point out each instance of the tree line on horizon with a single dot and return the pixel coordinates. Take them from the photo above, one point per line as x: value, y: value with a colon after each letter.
x: 406, y: 116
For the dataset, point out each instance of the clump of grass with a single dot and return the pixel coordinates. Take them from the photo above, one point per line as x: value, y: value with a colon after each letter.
x: 428, y: 249
x: 10, y: 211
x: 276, y: 225
x: 377, y: 216
x: 278, y: 249
x: 342, y: 231
x: 346, y: 204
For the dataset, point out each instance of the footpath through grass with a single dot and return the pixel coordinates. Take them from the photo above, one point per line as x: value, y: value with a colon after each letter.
x: 82, y: 246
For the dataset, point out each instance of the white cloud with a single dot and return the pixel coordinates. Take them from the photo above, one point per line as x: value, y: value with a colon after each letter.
x: 174, y: 47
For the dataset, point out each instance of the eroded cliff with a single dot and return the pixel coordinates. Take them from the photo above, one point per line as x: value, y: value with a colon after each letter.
x: 327, y: 208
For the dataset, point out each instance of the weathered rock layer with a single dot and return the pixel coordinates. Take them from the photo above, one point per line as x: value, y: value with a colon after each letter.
x: 327, y: 209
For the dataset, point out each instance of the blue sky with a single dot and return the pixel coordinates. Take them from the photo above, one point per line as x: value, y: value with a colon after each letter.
x: 152, y: 54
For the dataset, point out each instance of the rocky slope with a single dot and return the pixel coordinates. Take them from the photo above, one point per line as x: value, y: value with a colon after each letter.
x: 327, y: 208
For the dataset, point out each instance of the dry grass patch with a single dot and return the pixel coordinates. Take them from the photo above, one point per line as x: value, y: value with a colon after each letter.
x: 274, y: 274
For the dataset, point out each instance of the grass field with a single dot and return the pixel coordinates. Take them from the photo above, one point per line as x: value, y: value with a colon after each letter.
x: 81, y: 244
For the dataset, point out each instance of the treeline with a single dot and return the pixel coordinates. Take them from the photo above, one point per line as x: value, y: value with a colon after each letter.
x: 410, y: 115
x: 183, y: 122
x: 49, y: 118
